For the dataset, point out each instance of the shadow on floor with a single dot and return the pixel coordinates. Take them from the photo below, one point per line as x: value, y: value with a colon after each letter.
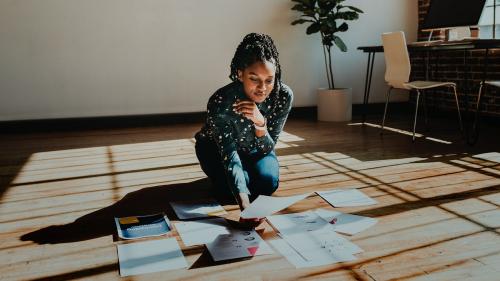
x: 142, y: 202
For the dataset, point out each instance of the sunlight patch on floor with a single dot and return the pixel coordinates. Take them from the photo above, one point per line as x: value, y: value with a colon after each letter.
x: 400, y: 131
x: 123, y: 158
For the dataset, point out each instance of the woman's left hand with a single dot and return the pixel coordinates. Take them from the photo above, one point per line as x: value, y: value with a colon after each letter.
x: 250, y: 223
x: 250, y: 111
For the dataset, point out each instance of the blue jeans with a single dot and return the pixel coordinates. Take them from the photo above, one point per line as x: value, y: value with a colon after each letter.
x: 261, y: 171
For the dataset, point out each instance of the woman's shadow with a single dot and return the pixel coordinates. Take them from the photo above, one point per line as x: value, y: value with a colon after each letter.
x: 146, y: 201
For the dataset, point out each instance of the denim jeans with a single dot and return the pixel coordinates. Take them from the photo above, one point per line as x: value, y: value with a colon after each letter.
x: 261, y: 171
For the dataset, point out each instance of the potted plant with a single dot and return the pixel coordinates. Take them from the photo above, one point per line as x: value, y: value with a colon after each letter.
x: 328, y: 17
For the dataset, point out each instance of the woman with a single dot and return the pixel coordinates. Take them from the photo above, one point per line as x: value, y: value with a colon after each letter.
x: 235, y: 146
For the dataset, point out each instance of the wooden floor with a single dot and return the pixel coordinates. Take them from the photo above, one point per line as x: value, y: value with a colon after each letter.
x: 438, y: 210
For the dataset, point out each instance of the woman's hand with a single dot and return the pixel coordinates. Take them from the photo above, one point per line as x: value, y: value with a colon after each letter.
x: 250, y: 111
x: 244, y: 202
x: 250, y: 223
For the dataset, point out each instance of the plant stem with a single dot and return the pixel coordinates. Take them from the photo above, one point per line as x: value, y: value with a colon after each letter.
x: 330, y: 66
x: 326, y: 63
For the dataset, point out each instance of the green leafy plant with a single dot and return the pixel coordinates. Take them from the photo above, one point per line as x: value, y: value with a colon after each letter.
x: 328, y: 17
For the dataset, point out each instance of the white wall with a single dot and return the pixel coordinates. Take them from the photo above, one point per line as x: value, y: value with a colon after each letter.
x: 379, y: 16
x: 77, y: 58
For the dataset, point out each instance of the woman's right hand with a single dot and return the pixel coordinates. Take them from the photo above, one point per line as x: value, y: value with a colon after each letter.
x: 251, y: 223
x: 244, y: 202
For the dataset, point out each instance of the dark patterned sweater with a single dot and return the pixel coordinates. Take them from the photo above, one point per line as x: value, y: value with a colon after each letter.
x: 233, y: 133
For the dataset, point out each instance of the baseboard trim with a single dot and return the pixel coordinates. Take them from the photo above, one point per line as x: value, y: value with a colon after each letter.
x: 128, y: 121
x: 86, y: 123
x: 89, y: 123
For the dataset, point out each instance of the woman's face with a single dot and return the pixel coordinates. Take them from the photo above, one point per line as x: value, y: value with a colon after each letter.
x: 258, y: 80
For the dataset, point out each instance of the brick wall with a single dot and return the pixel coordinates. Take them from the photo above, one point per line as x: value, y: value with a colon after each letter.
x: 449, y: 66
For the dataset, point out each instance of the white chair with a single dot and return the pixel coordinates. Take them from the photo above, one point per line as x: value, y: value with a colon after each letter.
x: 397, y: 73
x: 495, y: 83
x: 458, y: 33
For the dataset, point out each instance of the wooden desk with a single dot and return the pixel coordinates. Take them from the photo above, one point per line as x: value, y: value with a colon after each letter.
x: 462, y: 45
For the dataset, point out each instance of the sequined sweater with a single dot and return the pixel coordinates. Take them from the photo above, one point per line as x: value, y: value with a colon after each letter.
x: 233, y: 133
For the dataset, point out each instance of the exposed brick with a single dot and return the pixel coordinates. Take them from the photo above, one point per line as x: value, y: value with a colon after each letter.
x: 451, y: 66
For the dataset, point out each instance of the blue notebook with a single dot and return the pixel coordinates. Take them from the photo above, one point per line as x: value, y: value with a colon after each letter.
x: 142, y: 226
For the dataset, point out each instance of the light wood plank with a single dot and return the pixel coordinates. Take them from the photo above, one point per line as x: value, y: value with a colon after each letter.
x: 438, y: 210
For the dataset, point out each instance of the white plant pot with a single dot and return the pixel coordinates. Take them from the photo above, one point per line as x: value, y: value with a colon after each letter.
x: 335, y: 105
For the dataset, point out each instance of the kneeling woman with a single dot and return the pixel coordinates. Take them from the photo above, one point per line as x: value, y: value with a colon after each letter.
x: 235, y: 146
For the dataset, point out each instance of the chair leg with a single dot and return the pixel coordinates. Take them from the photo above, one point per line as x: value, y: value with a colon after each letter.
x: 385, y: 109
x: 458, y: 108
x: 479, y: 96
x: 416, y: 113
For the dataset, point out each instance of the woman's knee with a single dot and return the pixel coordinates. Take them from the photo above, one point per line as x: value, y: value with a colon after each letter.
x: 268, y: 174
x: 268, y: 182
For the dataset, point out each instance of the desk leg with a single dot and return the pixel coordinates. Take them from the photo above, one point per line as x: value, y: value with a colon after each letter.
x: 467, y: 80
x: 475, y: 125
x: 368, y: 82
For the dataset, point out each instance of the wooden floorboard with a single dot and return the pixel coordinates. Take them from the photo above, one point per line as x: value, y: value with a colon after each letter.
x: 438, y: 210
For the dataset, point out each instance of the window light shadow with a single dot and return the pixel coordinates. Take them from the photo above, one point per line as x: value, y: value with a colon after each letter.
x: 394, y: 254
x: 402, y: 132
x: 133, y: 188
x: 80, y: 273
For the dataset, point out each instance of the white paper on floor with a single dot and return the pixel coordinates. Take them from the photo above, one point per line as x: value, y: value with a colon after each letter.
x: 201, y: 231
x: 150, y: 256
x: 294, y: 257
x: 297, y: 222
x: 346, y: 223
x: 319, y: 219
x: 325, y: 245
x: 264, y: 206
x: 346, y: 198
x: 238, y: 244
x: 310, y: 238
x: 197, y: 209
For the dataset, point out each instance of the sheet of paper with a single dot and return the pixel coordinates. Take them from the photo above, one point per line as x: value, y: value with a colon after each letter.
x: 294, y: 258
x: 336, y: 244
x: 322, y: 245
x: 201, y: 231
x: 345, y: 223
x: 346, y: 198
x: 297, y: 222
x: 264, y: 206
x: 238, y: 244
x: 197, y: 209
x: 150, y: 256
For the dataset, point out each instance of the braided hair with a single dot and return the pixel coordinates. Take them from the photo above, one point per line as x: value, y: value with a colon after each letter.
x: 256, y: 47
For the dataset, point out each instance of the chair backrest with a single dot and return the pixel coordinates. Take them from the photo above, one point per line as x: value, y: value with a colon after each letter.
x: 397, y: 60
x: 459, y: 33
